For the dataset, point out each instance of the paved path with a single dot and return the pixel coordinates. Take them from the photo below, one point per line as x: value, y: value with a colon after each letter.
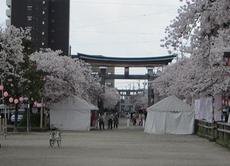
x: 112, y: 148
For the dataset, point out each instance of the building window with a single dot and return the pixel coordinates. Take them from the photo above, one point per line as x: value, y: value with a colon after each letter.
x: 43, y: 12
x: 43, y: 43
x: 29, y: 18
x: 52, y: 30
x: 29, y: 28
x: 52, y: 41
x: 52, y: 20
x: 52, y: 10
x: 43, y: 33
x: 29, y: 7
x: 43, y: 2
x: 43, y: 22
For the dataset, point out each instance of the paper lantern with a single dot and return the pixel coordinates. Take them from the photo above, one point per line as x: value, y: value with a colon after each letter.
x: 16, y: 101
x: 5, y: 94
x: 11, y: 99
x: 21, y: 99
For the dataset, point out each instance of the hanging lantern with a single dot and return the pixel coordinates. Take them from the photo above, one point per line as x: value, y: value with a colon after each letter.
x: 5, y: 94
x: 21, y: 99
x: 1, y: 87
x: 11, y: 99
x: 16, y: 101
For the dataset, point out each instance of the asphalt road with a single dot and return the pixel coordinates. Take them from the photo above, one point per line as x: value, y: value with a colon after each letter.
x: 120, y: 147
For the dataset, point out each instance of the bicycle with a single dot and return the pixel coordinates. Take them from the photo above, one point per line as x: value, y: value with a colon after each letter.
x: 55, y: 136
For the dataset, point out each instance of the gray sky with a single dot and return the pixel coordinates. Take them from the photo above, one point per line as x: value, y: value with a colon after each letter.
x: 120, y: 27
x: 117, y: 27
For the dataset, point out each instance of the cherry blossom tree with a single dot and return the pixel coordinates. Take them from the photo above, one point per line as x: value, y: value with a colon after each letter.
x: 139, y: 101
x: 201, y: 32
x: 11, y: 50
x: 65, y: 76
x: 16, y: 70
x: 110, y: 98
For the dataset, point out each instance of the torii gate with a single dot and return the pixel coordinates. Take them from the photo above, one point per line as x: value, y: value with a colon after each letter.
x: 102, y: 63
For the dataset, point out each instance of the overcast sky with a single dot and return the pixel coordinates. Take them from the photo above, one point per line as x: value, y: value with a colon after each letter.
x: 117, y: 27
x: 120, y: 27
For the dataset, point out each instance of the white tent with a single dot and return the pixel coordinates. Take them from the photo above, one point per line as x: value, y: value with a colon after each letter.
x: 72, y: 113
x: 171, y: 116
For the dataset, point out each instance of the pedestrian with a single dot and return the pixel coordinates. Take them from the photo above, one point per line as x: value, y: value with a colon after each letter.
x: 101, y: 122
x: 110, y: 121
x: 115, y: 121
x: 143, y: 119
x: 224, y: 116
x: 128, y: 119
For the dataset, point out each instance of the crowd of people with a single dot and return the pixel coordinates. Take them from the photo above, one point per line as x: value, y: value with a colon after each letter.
x: 137, y: 119
x: 111, y: 119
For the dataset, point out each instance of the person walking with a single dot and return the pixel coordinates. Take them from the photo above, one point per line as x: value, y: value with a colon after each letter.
x: 128, y: 119
x: 110, y: 121
x: 116, y: 121
x: 101, y: 122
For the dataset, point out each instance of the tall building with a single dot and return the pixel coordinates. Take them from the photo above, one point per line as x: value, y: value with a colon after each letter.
x: 48, y: 21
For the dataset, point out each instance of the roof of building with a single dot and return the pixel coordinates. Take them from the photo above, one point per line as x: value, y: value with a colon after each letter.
x: 123, y: 61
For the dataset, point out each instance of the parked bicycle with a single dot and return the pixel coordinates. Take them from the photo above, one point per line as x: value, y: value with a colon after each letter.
x: 55, y: 137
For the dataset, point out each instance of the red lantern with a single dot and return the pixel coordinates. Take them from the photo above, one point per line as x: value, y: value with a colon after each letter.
x: 1, y: 87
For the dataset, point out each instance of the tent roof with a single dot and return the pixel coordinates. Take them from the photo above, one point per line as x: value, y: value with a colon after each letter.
x: 93, y: 107
x: 73, y: 103
x: 170, y: 104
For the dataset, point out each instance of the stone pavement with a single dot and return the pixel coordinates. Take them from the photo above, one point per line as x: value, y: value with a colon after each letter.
x: 119, y: 147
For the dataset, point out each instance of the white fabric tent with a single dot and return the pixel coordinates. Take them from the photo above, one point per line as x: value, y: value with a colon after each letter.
x: 170, y: 115
x: 71, y: 113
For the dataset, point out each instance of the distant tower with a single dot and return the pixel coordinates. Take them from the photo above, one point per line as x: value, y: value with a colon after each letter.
x: 47, y: 19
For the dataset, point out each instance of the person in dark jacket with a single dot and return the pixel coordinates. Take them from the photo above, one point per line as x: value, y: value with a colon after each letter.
x: 101, y: 122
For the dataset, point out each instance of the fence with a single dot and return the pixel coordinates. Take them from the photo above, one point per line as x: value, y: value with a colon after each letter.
x: 223, y: 134
x: 218, y: 131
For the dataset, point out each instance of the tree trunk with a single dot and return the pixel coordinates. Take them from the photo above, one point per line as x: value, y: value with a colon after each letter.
x: 16, y: 118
